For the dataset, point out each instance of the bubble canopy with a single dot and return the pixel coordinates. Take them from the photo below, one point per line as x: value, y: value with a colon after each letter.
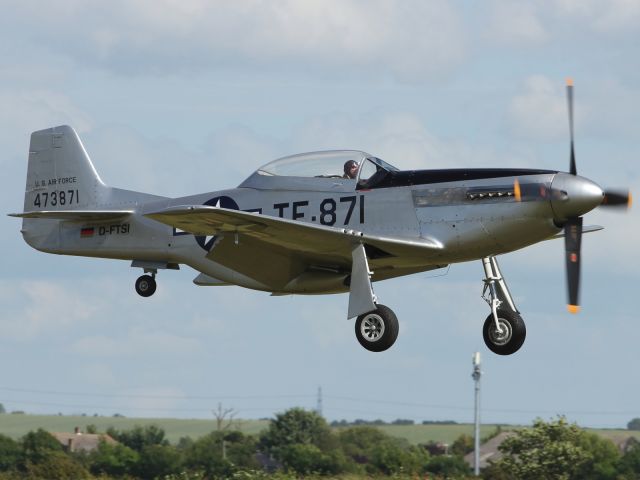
x: 329, y: 164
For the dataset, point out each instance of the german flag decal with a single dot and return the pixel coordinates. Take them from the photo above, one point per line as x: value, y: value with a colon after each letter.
x: 86, y: 232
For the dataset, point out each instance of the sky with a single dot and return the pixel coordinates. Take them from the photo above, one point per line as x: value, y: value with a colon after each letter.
x: 181, y: 97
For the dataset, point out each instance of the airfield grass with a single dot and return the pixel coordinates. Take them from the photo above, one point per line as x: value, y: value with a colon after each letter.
x: 17, y: 425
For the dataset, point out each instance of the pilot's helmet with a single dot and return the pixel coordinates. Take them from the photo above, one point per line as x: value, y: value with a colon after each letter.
x: 348, y: 166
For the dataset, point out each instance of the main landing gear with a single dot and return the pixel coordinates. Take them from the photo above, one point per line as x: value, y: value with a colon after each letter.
x: 376, y: 325
x: 146, y: 284
x: 504, y: 330
x: 377, y: 330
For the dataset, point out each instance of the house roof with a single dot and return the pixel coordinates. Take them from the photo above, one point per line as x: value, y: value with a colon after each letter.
x: 81, y: 441
x: 489, y: 450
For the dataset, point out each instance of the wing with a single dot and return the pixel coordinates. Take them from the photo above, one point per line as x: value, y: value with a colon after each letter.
x: 305, y: 238
x: 294, y: 246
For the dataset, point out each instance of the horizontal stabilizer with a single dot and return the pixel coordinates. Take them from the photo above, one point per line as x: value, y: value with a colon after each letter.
x: 75, y: 215
x: 205, y: 280
x: 585, y: 229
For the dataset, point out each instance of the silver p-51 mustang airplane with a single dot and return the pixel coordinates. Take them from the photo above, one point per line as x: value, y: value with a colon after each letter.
x: 315, y: 223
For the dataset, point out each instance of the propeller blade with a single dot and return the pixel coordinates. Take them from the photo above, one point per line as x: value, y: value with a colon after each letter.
x: 572, y: 240
x: 517, y: 192
x: 572, y: 158
x: 617, y: 199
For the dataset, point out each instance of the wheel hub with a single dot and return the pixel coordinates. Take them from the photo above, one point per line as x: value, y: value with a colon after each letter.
x: 501, y: 337
x: 372, y: 328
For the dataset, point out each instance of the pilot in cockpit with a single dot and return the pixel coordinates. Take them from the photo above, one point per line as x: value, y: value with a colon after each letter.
x: 350, y: 169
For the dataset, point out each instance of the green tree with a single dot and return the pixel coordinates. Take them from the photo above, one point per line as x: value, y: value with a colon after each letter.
x: 297, y: 425
x: 629, y: 464
x: 302, y: 441
x: 113, y: 459
x: 556, y: 450
x: 10, y: 453
x: 139, y: 437
x: 604, y: 457
x: 634, y: 424
x: 378, y: 453
x: 209, y: 454
x: 56, y: 465
x: 396, y: 457
x: 448, y: 466
x: 2, y: 409
x: 462, y: 445
x: 158, y: 461
x: 306, y: 459
x: 37, y: 445
x: 359, y: 442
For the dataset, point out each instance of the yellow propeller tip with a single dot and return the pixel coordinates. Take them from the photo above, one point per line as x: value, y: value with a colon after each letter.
x: 569, y: 82
x: 630, y: 201
x: 573, y: 308
x: 517, y: 193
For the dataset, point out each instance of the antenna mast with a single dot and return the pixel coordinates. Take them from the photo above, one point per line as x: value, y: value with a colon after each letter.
x: 476, y: 378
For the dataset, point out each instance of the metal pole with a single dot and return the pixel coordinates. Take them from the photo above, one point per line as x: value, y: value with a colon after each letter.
x: 476, y: 448
x: 319, y: 404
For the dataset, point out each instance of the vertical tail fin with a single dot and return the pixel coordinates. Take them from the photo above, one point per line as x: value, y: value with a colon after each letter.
x: 60, y: 175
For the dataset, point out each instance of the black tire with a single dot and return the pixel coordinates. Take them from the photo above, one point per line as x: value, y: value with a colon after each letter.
x: 511, y: 339
x: 377, y: 330
x: 146, y: 285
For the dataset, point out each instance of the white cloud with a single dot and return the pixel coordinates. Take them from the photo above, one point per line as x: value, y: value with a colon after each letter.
x: 412, y: 40
x: 136, y: 343
x: 540, y: 112
x: 99, y: 375
x: 401, y: 138
x: 613, y: 17
x: 515, y: 23
x: 24, y: 111
x: 158, y: 401
x: 127, y: 159
x: 38, y: 307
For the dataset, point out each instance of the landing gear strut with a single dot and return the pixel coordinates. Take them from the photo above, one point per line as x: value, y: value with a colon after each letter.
x: 504, y: 330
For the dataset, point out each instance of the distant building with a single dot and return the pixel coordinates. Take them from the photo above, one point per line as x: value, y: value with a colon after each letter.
x: 489, y: 450
x: 81, y: 442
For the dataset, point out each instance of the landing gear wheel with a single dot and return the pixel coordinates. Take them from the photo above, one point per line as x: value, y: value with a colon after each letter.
x: 512, y: 336
x: 146, y: 285
x: 377, y: 330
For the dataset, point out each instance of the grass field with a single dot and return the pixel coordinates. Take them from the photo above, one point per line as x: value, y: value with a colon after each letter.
x: 16, y: 426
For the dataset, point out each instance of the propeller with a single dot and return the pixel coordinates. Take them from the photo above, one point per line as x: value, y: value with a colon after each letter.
x: 572, y: 241
x: 617, y: 199
x: 572, y: 196
x: 573, y: 225
x: 572, y: 158
x: 588, y: 192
